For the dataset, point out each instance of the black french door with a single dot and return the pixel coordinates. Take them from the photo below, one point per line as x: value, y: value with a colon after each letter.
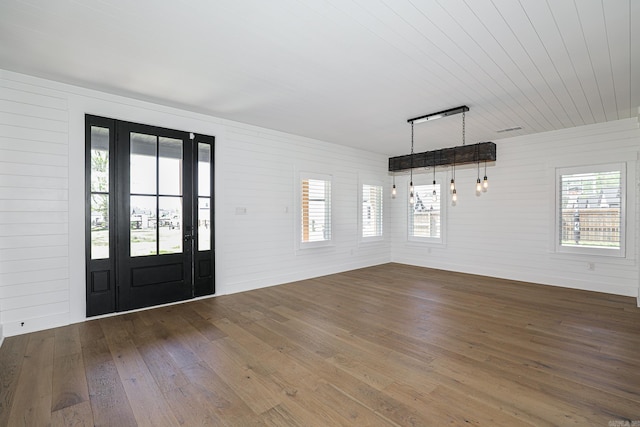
x: 149, y: 215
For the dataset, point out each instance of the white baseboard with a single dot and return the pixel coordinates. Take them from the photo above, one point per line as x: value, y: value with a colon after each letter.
x: 1, y: 336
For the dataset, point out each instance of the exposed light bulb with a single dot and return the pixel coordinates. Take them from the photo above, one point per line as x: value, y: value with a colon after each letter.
x: 411, y: 187
x: 453, y: 185
x: 411, y: 198
x: 478, y: 186
x: 393, y: 191
x: 454, y: 198
x: 485, y: 183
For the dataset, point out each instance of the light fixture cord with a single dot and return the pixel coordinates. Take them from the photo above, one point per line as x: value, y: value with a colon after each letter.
x: 478, y: 158
x: 454, y: 164
x: 411, y: 144
x: 463, y: 129
x: 411, y: 151
x: 434, y: 168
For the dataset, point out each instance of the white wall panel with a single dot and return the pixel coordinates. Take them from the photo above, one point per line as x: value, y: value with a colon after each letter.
x: 28, y: 302
x: 17, y: 266
x: 43, y: 316
x: 37, y: 218
x: 35, y: 276
x: 257, y: 255
x: 507, y: 232
x: 33, y: 206
x: 33, y: 288
x: 14, y: 144
x: 31, y: 158
x: 24, y: 134
x: 35, y: 229
x: 25, y: 169
x: 33, y: 182
x: 41, y: 252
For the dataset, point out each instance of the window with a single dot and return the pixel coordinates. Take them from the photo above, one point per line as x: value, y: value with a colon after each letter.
x: 371, y: 211
x: 425, y: 214
x: 590, y: 214
x: 315, y: 210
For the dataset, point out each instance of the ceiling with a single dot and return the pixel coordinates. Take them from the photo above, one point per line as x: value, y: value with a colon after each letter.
x: 345, y: 71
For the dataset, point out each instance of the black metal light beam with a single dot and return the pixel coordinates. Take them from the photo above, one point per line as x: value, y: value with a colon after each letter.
x: 439, y: 114
x: 480, y: 152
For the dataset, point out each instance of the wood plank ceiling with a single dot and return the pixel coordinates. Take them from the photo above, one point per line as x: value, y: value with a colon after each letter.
x: 345, y: 71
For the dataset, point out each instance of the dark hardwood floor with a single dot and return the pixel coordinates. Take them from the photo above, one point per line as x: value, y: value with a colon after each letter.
x: 382, y: 346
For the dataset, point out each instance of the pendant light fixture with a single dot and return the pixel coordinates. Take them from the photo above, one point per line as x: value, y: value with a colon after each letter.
x: 485, y: 181
x: 478, y: 184
x: 393, y: 189
x: 452, y: 187
x: 454, y: 193
x: 411, y: 198
x: 435, y: 194
x: 453, y: 156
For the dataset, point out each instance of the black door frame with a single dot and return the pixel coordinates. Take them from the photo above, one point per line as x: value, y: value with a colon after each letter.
x: 106, y: 279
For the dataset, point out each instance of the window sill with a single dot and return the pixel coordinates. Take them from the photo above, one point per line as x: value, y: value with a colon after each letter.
x: 586, y: 253
x: 314, y: 247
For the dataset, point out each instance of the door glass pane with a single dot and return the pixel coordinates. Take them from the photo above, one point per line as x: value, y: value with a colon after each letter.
x: 204, y: 170
x: 99, y: 192
x: 143, y: 163
x: 99, y: 159
x: 170, y: 225
x: 143, y: 226
x: 99, y: 226
x: 204, y: 224
x: 170, y: 162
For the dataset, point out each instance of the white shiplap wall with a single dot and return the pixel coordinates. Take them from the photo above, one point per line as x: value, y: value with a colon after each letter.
x: 42, y: 199
x: 34, y: 264
x: 507, y: 232
x: 261, y: 172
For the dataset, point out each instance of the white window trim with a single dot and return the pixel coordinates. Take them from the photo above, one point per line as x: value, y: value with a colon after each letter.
x: 583, y: 250
x: 427, y: 179
x: 300, y: 245
x: 370, y: 181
